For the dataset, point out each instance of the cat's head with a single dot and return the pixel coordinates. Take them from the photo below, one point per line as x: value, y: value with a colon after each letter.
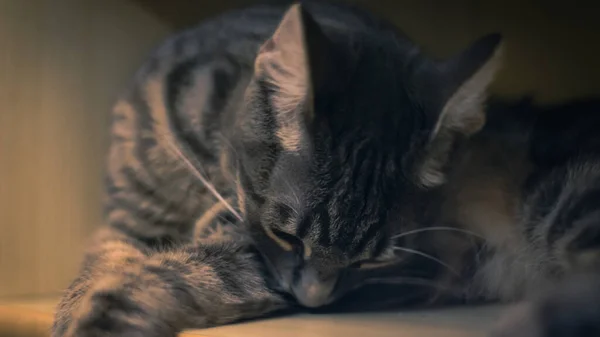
x: 341, y: 134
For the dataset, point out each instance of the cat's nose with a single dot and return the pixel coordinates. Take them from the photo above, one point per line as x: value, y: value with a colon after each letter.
x: 312, y: 289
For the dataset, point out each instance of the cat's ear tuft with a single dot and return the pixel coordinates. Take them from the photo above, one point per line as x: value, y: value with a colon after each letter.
x: 459, y: 87
x: 465, y: 80
x: 292, y: 62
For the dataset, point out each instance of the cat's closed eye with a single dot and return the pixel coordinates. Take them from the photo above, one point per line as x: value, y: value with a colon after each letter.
x: 373, y: 264
x: 294, y: 243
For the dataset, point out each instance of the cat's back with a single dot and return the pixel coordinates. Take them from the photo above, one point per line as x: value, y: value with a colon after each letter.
x: 205, y: 69
x: 526, y: 161
x: 193, y: 83
x: 239, y: 33
x: 174, y: 108
x: 184, y: 99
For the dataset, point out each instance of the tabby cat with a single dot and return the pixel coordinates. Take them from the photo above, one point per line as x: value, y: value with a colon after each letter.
x: 284, y: 157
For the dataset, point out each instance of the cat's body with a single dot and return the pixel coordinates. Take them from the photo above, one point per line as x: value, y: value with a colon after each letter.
x: 154, y: 199
x: 322, y: 174
x: 509, y: 185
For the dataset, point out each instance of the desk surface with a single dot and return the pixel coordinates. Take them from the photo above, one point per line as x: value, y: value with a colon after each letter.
x: 463, y: 322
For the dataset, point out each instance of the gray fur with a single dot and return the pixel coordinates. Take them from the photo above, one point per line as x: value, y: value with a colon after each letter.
x: 528, y: 184
x: 260, y: 163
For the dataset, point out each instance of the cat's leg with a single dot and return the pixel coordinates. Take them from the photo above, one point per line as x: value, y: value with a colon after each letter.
x: 566, y: 209
x: 123, y: 291
x: 572, y: 309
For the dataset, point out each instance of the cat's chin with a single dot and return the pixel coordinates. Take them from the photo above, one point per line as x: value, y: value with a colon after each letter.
x: 314, y: 304
x: 377, y: 297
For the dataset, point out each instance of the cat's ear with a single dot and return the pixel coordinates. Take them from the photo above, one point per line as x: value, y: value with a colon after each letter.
x: 456, y: 95
x: 294, y: 62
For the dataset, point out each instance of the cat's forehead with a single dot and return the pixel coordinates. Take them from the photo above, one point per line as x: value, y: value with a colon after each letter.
x: 345, y: 167
x: 331, y: 227
x: 377, y: 88
x: 376, y: 59
x: 344, y: 201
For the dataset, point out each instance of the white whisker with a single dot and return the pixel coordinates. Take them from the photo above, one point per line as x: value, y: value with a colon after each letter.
x: 425, y: 255
x: 227, y: 142
x: 427, y: 229
x: 296, y: 200
x: 409, y: 281
x: 196, y: 172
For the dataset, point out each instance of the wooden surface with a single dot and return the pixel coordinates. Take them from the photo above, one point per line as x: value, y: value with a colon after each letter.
x: 62, y: 64
x: 445, y: 323
x: 33, y: 317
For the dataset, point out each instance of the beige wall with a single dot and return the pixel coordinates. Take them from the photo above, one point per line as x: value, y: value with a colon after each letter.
x: 61, y: 65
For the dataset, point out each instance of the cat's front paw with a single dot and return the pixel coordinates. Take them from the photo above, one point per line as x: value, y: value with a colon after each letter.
x: 573, y: 310
x: 112, y: 311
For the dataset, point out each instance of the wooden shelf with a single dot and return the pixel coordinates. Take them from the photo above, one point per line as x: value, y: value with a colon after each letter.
x: 33, y: 318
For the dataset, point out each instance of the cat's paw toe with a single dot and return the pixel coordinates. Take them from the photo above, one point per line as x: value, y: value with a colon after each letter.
x: 109, y: 314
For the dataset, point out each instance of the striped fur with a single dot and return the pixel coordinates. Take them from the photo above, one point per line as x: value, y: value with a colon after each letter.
x: 242, y: 180
x: 239, y: 183
x: 153, y: 270
x: 528, y: 184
